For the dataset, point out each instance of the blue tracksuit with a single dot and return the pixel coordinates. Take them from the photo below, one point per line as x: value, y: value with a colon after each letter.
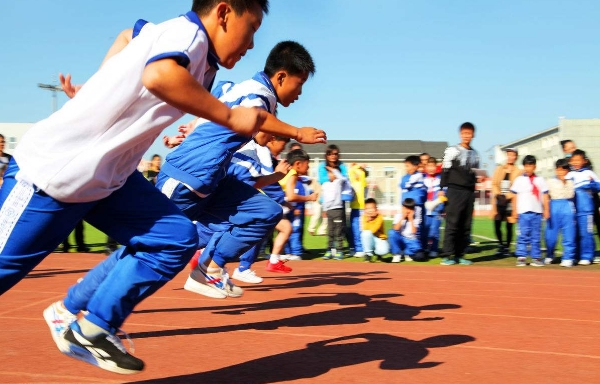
x: 433, y: 218
x: 562, y: 220
x: 586, y: 183
x: 412, y: 186
x: 404, y: 241
x: 195, y: 178
x: 294, y: 245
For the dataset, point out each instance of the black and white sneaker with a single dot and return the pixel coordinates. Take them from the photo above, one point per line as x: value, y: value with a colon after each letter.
x: 104, y: 351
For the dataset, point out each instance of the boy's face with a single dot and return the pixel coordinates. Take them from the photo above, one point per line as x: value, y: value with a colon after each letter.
x: 371, y: 210
x: 431, y: 168
x: 561, y: 172
x: 466, y: 136
x: 511, y: 157
x: 576, y: 161
x: 156, y: 161
x: 289, y: 87
x: 236, y: 35
x: 410, y: 167
x: 301, y: 167
x: 529, y: 169
x: 569, y: 147
x: 424, y: 159
x: 277, y: 146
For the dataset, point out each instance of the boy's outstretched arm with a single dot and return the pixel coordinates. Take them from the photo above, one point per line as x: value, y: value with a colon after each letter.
x: 172, y: 83
x: 305, y: 135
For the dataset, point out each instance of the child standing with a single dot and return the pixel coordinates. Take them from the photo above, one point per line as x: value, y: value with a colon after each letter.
x: 458, y: 185
x: 434, y: 207
x: 404, y: 237
x: 562, y: 215
x: 532, y: 203
x: 373, y: 238
x: 333, y: 206
x: 358, y: 180
x: 80, y: 163
x: 411, y: 184
x: 586, y: 184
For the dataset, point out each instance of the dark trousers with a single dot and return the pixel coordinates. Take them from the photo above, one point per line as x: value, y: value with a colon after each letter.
x: 459, y: 215
x: 336, y: 227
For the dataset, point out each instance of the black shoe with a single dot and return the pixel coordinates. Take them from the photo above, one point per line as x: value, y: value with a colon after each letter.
x: 104, y: 351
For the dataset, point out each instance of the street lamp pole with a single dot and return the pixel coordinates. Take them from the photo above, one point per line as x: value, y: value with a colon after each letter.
x: 54, y: 89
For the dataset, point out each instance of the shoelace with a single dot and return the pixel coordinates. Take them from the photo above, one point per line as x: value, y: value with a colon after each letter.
x: 116, y: 340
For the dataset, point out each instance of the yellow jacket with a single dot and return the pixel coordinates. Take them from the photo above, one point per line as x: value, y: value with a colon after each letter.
x: 375, y: 226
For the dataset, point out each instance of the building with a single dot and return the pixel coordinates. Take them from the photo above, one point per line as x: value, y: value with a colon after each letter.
x: 383, y: 160
x: 545, y: 145
x: 13, y: 132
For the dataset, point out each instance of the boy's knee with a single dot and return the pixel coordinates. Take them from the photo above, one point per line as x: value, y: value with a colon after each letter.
x: 185, y: 236
x: 272, y: 213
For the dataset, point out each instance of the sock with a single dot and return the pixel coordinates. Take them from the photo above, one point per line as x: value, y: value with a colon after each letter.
x: 213, y: 271
x: 274, y: 259
x: 89, y: 329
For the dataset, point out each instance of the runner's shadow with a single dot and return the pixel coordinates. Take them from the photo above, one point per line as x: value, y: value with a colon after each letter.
x: 293, y: 302
x: 361, y: 314
x: 395, y: 353
x: 318, y: 279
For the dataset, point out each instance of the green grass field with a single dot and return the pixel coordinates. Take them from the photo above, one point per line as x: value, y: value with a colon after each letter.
x: 483, y: 236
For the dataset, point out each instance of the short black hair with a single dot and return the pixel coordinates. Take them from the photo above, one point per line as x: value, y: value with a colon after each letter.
x: 295, y: 144
x: 565, y: 142
x: 467, y: 125
x: 156, y: 155
x: 579, y: 152
x: 282, y: 138
x: 409, y: 203
x: 563, y: 163
x: 413, y: 159
x: 297, y: 155
x: 529, y: 159
x: 432, y: 160
x: 291, y: 57
x: 203, y: 7
x: 370, y: 200
x: 424, y: 154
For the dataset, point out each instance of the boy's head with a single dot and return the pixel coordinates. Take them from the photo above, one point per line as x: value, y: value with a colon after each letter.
x: 529, y: 164
x: 467, y: 133
x: 371, y: 207
x: 424, y: 158
x: 511, y: 155
x: 412, y: 164
x: 156, y: 161
x: 409, y: 203
x: 288, y: 66
x: 294, y: 145
x: 277, y: 144
x: 298, y: 160
x: 562, y: 168
x: 431, y: 167
x: 231, y: 25
x: 578, y: 159
x: 568, y: 146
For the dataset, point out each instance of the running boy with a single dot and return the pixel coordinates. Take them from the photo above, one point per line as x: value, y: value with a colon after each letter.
x: 404, y: 237
x: 531, y: 202
x: 458, y: 185
x: 586, y: 184
x: 373, y: 237
x: 80, y: 163
x: 562, y: 215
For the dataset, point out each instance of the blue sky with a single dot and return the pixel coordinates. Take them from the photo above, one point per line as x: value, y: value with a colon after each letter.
x: 386, y: 69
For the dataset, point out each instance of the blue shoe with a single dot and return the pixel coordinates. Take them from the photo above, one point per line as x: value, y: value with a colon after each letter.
x: 462, y: 261
x: 448, y: 262
x: 327, y: 256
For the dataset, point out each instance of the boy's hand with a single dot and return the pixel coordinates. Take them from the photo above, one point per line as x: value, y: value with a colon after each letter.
x: 173, y: 141
x: 186, y: 129
x: 283, y: 167
x: 246, y: 121
x: 69, y: 89
x: 410, y: 214
x: 313, y: 196
x: 307, y: 135
x: 546, y: 214
x: 397, y: 225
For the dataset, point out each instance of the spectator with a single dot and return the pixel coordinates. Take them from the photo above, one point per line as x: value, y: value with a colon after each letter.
x: 79, y: 240
x: 333, y: 205
x: 332, y: 159
x: 434, y: 208
x: 424, y: 159
x: 531, y: 204
x: 4, y: 157
x: 358, y: 181
x: 502, y: 206
x: 404, y: 237
x: 153, y: 169
x: 373, y: 237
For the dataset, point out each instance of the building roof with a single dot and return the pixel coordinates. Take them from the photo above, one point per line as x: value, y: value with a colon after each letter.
x: 527, y: 139
x: 378, y: 150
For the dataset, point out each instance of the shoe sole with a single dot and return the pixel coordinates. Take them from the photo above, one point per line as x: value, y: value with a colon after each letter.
x: 204, y: 289
x: 278, y: 271
x: 50, y: 318
x: 257, y: 281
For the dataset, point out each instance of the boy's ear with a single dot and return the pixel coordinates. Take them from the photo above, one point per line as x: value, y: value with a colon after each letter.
x: 223, y: 10
x: 280, y: 77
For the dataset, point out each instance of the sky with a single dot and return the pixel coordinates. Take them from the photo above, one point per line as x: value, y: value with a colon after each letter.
x: 386, y: 69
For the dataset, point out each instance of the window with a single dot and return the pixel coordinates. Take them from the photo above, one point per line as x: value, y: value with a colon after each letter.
x: 12, y: 142
x: 389, y: 172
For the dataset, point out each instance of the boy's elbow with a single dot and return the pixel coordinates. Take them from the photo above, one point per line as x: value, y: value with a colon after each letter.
x: 152, y: 79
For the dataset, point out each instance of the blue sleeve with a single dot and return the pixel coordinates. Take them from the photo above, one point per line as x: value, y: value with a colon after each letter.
x: 323, y: 177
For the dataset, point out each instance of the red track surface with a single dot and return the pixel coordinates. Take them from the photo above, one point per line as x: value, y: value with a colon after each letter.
x: 332, y: 322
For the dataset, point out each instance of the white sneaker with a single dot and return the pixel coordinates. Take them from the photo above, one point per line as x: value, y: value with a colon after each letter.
x: 433, y: 254
x: 596, y: 260
x: 58, y: 320
x: 396, y: 259
x: 248, y: 276
x: 217, y: 287
x: 407, y: 258
x: 548, y: 260
x: 584, y: 262
x: 290, y: 257
x: 566, y: 263
x: 359, y: 254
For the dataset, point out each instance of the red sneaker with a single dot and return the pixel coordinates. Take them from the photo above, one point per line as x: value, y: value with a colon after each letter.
x: 194, y: 262
x: 278, y: 267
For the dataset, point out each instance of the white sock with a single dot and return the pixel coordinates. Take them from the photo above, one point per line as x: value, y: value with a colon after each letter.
x: 274, y: 259
x: 89, y: 329
x: 213, y: 271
